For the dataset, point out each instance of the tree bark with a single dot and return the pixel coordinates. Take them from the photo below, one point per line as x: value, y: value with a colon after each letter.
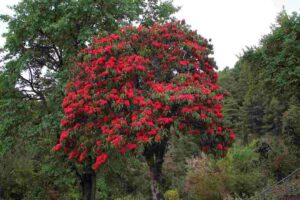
x: 156, y: 194
x: 88, y: 183
x: 1, y: 194
x: 154, y: 155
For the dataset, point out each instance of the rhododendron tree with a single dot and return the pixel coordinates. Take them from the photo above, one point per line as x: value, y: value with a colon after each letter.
x: 137, y: 87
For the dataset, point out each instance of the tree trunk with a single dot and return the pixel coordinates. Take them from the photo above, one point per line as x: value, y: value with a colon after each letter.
x: 1, y: 194
x: 154, y: 155
x: 156, y: 194
x: 88, y: 183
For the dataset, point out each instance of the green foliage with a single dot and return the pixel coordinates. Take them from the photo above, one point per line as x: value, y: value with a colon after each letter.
x: 175, y: 168
x: 171, y: 195
x: 290, y: 120
x: 263, y: 80
x: 242, y: 170
x: 243, y: 173
x: 283, y: 157
x: 42, y: 38
x: 280, y: 50
x: 102, y: 189
x: 264, y: 105
x: 204, y: 181
x: 129, y: 197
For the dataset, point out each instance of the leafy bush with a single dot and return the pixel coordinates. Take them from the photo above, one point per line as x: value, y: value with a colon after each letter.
x: 242, y: 170
x: 204, y: 181
x: 171, y: 195
x: 240, y: 174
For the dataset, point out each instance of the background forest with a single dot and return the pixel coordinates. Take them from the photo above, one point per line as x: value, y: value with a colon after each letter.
x: 262, y: 106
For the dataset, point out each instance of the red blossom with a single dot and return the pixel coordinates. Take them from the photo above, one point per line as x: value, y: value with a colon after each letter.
x: 64, y: 122
x: 131, y: 146
x: 100, y: 160
x: 98, y: 143
x: 157, y: 138
x: 138, y: 86
x: 232, y: 136
x: 152, y: 132
x: 220, y: 147
x: 63, y: 136
x: 57, y: 147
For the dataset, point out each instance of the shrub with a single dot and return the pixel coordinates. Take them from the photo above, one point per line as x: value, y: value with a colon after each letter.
x: 171, y: 195
x: 242, y: 170
x: 204, y: 181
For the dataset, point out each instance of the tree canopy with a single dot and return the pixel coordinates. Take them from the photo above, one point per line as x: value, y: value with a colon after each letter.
x: 139, y: 86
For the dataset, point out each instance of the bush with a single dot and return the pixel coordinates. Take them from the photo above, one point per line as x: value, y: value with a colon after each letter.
x: 243, y: 170
x: 204, y: 181
x: 240, y: 174
x: 171, y: 195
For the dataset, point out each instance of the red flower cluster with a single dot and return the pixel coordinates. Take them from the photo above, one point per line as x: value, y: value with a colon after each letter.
x: 133, y: 87
x: 101, y: 159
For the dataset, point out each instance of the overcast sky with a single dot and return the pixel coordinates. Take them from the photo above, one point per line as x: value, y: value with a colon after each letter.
x: 231, y: 24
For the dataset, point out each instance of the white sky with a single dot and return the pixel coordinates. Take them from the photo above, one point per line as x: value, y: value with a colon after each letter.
x: 231, y: 24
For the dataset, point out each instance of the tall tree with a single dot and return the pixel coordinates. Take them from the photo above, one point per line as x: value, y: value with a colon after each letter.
x: 268, y: 76
x: 138, y: 87
x: 43, y: 37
